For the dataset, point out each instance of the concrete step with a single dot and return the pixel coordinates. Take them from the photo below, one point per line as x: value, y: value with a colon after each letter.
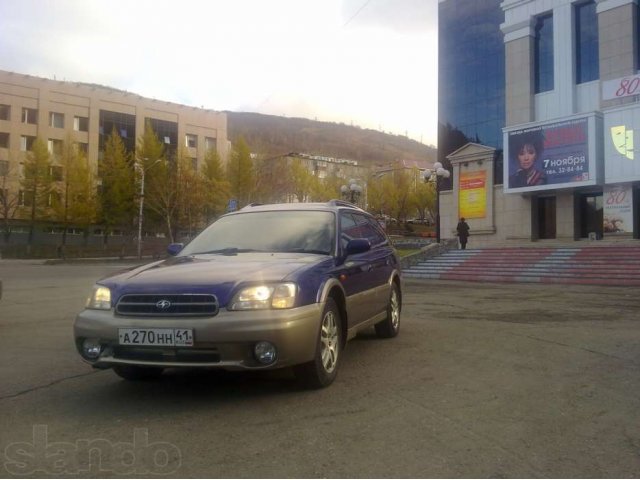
x: 612, y: 265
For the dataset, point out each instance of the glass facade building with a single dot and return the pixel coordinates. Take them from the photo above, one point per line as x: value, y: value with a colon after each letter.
x: 471, y: 91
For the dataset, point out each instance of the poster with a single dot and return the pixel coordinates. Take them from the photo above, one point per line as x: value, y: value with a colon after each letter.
x: 551, y: 154
x: 473, y: 194
x: 618, y: 210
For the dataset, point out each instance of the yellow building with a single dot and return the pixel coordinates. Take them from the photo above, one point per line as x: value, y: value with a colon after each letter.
x: 32, y: 107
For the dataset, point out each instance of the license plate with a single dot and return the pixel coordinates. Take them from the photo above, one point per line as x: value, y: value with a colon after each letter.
x: 156, y: 337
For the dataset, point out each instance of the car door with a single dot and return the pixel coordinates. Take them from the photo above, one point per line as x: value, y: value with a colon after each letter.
x: 379, y: 261
x: 367, y: 273
x: 355, y: 272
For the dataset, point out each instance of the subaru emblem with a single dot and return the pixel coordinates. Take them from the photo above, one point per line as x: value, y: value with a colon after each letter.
x: 163, y: 304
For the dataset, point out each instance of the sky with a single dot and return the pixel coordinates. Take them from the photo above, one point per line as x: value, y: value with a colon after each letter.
x: 370, y: 63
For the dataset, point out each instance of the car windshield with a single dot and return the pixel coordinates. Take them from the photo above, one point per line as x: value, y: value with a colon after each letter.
x: 276, y: 231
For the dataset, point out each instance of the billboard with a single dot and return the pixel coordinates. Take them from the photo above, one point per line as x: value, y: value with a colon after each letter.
x: 472, y: 196
x: 549, y: 156
x: 618, y: 209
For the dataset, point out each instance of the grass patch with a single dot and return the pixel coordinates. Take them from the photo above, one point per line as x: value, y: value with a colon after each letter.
x: 403, y: 252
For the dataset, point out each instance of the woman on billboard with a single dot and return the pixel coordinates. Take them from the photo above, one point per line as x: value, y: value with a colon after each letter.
x: 526, y: 149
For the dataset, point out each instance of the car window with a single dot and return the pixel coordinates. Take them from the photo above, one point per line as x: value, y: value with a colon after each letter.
x: 369, y: 229
x: 357, y: 225
x: 348, y: 228
x: 273, y: 231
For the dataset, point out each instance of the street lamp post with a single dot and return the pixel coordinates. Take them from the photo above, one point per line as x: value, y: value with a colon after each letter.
x: 351, y: 192
x: 434, y: 176
x: 142, y: 169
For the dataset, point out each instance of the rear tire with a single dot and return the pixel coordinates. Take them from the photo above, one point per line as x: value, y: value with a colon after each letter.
x: 133, y: 373
x: 323, y: 369
x: 390, y: 326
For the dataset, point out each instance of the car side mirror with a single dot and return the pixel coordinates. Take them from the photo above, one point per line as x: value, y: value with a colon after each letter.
x: 175, y: 248
x: 357, y: 245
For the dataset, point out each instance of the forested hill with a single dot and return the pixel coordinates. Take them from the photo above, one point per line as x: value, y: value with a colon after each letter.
x: 273, y: 135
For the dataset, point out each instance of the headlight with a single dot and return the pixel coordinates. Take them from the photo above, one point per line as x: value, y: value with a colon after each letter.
x: 258, y: 297
x: 100, y: 299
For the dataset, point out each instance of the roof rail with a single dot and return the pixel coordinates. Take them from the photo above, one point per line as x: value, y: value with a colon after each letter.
x: 255, y: 204
x: 342, y: 203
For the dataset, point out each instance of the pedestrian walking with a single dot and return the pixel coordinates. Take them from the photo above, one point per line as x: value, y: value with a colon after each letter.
x: 463, y: 233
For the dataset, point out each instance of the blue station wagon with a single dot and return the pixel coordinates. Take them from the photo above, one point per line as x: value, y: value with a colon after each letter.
x: 266, y: 287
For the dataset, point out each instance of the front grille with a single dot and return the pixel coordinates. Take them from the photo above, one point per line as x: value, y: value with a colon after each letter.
x: 151, y: 354
x: 189, y: 305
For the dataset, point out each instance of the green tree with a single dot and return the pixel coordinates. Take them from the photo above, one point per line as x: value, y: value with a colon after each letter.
x: 160, y: 197
x: 216, y: 187
x: 325, y: 189
x: 191, y: 195
x: 392, y: 193
x: 301, y: 180
x: 240, y: 172
x: 37, y: 184
x: 424, y: 200
x: 78, y: 201
x: 117, y: 193
x: 9, y: 200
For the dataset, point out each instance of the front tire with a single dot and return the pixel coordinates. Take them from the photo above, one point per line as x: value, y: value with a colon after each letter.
x: 133, y: 373
x: 323, y: 369
x: 390, y: 326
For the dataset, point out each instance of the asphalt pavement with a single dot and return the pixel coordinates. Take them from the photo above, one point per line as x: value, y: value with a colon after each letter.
x: 484, y: 380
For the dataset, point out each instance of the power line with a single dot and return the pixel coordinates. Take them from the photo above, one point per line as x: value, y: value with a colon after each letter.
x: 357, y: 13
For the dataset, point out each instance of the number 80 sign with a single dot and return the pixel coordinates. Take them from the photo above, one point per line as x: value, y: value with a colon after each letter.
x: 621, y: 87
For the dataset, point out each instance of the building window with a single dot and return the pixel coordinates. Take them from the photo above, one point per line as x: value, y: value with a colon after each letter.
x: 54, y: 146
x: 5, y: 112
x: 543, y: 55
x: 81, y: 124
x: 4, y: 140
x: 56, y: 120
x: 210, y: 143
x: 25, y: 199
x: 82, y: 147
x: 191, y: 141
x: 4, y: 168
x: 55, y: 172
x: 26, y: 143
x: 122, y: 124
x: 167, y: 132
x: 194, y: 164
x: 29, y: 115
x: 587, y: 56
x: 54, y: 199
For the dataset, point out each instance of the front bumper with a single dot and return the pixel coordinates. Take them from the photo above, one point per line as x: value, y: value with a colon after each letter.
x: 225, y: 341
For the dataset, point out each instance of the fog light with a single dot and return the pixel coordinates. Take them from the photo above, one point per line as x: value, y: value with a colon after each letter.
x: 91, y: 348
x: 265, y: 352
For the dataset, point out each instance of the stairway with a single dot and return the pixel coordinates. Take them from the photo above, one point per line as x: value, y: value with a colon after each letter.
x: 602, y: 265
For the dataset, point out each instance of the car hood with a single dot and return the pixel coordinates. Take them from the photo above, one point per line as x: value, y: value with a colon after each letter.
x: 216, y: 274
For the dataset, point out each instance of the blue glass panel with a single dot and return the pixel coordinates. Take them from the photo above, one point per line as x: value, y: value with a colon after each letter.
x: 587, y: 61
x: 470, y: 75
x: 543, y: 56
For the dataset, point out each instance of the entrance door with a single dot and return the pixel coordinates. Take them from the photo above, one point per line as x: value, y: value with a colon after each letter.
x: 591, y: 215
x: 546, y: 216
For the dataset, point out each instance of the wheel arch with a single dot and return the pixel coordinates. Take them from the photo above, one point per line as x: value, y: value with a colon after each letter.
x: 333, y: 289
x: 397, y: 280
